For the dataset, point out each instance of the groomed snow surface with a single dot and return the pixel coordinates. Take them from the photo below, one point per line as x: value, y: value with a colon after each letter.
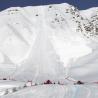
x: 56, y: 91
x: 48, y: 42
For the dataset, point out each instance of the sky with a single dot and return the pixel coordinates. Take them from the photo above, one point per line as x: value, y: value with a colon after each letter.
x: 80, y: 4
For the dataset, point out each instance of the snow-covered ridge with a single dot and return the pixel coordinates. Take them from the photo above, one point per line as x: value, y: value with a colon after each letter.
x: 48, y: 42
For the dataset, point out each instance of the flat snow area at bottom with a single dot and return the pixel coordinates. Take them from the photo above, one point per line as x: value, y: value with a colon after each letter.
x: 56, y: 91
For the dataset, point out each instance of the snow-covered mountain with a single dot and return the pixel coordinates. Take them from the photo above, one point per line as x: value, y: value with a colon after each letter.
x: 49, y: 42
